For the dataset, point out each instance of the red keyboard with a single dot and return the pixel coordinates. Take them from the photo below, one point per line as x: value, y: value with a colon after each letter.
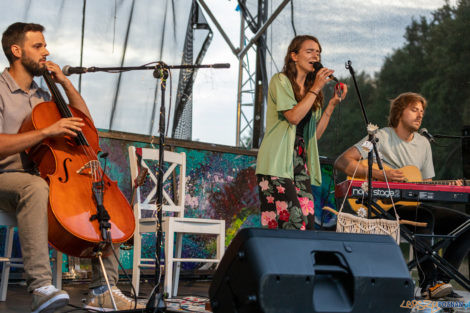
x: 420, y: 192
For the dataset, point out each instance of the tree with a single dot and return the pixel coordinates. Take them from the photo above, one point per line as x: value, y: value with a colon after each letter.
x: 433, y: 62
x: 347, y: 124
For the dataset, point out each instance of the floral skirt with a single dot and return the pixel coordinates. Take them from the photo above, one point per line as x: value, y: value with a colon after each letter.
x: 287, y: 203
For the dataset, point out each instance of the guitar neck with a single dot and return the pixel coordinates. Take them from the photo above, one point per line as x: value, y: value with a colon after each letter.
x: 413, y: 174
x: 465, y: 182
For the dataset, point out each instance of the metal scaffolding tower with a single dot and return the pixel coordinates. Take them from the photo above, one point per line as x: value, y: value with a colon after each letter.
x: 252, y: 80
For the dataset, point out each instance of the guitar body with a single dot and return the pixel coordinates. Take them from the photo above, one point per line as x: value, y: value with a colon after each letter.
x: 411, y: 173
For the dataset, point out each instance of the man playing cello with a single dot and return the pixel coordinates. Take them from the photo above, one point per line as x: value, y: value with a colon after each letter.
x: 21, y: 189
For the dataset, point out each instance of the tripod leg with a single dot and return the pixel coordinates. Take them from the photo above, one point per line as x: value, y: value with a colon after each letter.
x: 107, y: 281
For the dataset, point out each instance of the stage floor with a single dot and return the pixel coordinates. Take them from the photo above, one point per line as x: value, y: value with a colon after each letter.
x: 18, y: 300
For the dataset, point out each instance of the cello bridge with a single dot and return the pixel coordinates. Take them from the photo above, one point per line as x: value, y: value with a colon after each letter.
x: 91, y: 168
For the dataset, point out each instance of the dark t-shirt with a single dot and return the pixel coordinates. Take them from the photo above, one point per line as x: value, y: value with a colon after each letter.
x: 300, y: 127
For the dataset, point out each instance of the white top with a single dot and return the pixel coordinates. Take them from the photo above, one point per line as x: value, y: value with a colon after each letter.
x: 398, y: 153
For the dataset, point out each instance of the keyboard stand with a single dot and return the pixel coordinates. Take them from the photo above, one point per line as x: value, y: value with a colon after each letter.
x: 431, y: 252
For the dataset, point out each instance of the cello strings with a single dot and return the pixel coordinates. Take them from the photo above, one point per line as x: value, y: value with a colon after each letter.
x: 91, y: 159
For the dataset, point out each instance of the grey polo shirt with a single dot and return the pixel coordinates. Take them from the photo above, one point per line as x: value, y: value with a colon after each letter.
x: 15, y: 106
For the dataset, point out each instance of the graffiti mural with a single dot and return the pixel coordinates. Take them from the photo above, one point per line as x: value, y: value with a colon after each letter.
x: 221, y: 184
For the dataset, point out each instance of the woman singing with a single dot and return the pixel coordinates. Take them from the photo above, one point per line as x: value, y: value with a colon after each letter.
x: 288, y: 161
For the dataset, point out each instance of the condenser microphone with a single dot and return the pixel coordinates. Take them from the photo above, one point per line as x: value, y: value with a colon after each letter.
x: 317, y: 66
x: 69, y: 70
x: 424, y: 132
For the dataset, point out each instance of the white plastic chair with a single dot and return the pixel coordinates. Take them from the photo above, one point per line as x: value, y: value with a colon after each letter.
x: 176, y: 224
x: 9, y: 220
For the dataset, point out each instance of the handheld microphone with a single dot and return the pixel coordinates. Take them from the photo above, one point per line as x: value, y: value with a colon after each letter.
x: 69, y: 70
x: 318, y: 65
x: 424, y: 132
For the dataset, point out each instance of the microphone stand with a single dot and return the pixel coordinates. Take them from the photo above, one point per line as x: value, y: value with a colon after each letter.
x: 155, y: 302
x: 372, y: 139
x: 103, y: 218
x: 451, y: 137
x: 92, y: 69
x: 160, y: 71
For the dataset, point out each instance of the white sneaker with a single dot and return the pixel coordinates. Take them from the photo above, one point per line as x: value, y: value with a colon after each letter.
x: 48, y: 299
x: 102, y: 302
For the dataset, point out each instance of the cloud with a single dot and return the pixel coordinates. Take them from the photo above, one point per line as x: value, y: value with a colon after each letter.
x: 363, y: 31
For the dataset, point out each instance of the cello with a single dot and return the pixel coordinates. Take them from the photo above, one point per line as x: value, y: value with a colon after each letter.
x: 86, y: 212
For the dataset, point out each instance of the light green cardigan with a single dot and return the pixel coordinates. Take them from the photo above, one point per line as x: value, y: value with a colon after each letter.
x: 275, y: 156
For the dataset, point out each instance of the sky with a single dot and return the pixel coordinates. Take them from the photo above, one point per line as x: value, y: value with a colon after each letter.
x: 363, y: 31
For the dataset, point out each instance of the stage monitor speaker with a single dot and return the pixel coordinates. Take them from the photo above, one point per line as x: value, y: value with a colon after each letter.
x: 466, y: 152
x: 272, y: 271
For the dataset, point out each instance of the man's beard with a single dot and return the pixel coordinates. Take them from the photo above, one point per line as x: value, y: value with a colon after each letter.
x: 412, y: 128
x: 32, y: 67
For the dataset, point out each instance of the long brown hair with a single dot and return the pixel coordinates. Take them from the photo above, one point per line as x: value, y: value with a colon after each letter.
x: 400, y: 103
x: 290, y: 70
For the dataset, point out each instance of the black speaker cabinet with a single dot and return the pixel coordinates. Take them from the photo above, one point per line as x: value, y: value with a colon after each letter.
x: 293, y: 271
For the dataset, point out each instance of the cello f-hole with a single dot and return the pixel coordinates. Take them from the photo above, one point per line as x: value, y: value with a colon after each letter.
x: 66, y: 171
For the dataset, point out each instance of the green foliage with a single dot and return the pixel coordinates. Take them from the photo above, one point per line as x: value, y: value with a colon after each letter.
x: 347, y: 123
x: 434, y: 61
